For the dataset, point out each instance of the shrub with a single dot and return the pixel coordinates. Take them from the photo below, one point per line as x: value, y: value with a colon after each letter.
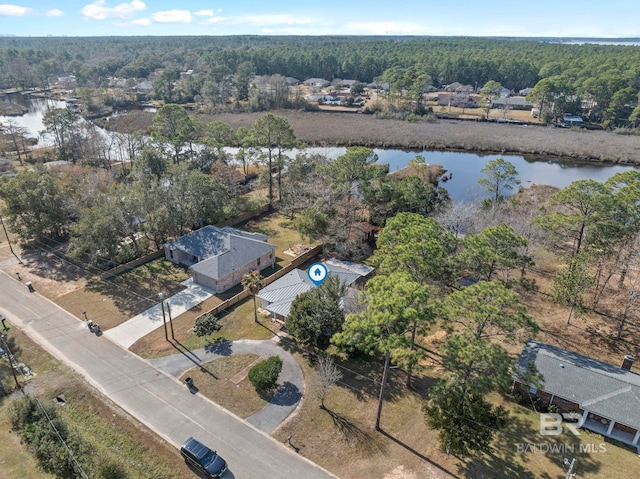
x: 206, y: 324
x: 264, y: 375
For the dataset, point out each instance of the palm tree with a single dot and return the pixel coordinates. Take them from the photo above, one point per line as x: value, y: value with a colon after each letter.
x: 253, y: 282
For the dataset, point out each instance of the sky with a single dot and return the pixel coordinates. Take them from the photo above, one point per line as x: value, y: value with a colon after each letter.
x: 537, y: 18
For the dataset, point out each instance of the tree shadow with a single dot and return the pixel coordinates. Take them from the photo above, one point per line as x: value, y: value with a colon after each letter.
x: 416, y: 453
x: 222, y: 348
x: 369, y: 444
x: 286, y: 394
x: 520, y: 443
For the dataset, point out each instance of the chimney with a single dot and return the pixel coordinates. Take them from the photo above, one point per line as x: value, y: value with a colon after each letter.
x: 627, y: 362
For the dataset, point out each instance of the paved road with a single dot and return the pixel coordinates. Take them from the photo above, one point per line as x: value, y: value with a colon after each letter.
x: 153, y: 397
x: 291, y: 379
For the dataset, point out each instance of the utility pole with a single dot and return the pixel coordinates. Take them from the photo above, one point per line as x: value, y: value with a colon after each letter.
x: 9, y: 241
x: 10, y: 358
x: 164, y: 317
x: 170, y: 320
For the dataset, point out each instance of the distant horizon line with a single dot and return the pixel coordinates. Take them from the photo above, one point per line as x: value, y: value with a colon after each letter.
x: 622, y: 39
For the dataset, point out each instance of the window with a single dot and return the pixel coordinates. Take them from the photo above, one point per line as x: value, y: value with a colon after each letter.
x: 533, y: 390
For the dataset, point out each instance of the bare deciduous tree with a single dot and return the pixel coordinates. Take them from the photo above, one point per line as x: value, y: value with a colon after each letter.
x: 328, y: 376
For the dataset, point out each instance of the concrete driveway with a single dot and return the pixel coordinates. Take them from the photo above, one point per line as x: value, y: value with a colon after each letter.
x: 291, y: 380
x: 139, y: 326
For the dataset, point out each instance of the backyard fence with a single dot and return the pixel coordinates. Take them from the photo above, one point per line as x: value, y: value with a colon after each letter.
x: 123, y: 268
x: 303, y: 258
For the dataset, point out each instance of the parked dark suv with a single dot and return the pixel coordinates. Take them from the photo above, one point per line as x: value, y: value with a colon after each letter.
x: 202, y: 458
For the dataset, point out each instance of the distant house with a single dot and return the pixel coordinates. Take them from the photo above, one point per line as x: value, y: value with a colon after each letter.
x: 452, y: 86
x: 504, y: 92
x: 144, y: 87
x: 512, y: 103
x: 606, y: 397
x: 317, y: 82
x: 525, y: 91
x: 291, y: 81
x: 462, y: 100
x: 218, y: 257
x: 277, y: 297
x: 572, y: 120
x: 339, y: 82
x: 376, y: 85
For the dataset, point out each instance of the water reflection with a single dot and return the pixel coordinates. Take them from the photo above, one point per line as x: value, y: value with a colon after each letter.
x: 464, y: 167
x: 32, y: 120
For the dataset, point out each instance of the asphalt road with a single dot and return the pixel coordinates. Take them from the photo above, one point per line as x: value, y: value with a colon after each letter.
x: 156, y: 399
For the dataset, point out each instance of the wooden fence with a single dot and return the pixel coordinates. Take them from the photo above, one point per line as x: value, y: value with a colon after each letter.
x: 303, y: 258
x: 123, y: 268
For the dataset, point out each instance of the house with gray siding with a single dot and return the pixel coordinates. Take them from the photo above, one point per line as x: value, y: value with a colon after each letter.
x: 606, y: 397
x: 217, y: 258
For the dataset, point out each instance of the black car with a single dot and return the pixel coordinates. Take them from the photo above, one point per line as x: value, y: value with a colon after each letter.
x: 202, y: 458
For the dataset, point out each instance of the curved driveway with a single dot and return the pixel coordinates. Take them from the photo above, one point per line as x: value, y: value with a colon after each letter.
x: 153, y: 397
x: 284, y: 400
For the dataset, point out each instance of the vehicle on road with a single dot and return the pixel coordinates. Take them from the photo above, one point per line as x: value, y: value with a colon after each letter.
x: 203, y: 459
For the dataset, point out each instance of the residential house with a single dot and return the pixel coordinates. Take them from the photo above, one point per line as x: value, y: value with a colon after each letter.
x: 277, y: 297
x: 291, y: 81
x: 452, y: 86
x: 606, y: 397
x: 217, y: 258
x: 512, y: 103
x: 317, y: 82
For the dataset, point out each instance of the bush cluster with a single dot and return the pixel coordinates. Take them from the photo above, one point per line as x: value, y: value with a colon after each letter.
x: 264, y: 375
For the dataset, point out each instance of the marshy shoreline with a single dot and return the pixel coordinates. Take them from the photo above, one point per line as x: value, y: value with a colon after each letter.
x: 348, y: 129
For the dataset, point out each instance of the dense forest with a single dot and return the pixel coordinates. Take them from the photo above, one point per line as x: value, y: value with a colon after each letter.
x: 599, y: 82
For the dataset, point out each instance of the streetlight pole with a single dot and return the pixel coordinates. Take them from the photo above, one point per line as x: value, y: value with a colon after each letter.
x: 10, y: 358
x: 164, y: 318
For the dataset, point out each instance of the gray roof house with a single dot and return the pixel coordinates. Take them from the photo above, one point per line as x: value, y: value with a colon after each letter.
x: 317, y: 82
x: 218, y: 257
x: 607, y: 397
x: 277, y: 297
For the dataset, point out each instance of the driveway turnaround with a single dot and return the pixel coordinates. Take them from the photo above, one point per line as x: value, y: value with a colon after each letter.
x: 139, y: 326
x: 156, y: 399
x: 285, y: 398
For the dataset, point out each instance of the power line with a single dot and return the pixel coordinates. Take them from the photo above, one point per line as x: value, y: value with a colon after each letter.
x: 61, y: 439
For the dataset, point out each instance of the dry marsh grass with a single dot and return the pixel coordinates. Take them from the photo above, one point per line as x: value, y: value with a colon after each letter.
x: 345, y: 129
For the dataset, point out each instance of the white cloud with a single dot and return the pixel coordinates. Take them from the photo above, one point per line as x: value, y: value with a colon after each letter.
x: 99, y: 11
x: 143, y: 22
x: 172, y: 16
x: 7, y: 10
x: 204, y: 13
x: 54, y: 13
x: 212, y: 20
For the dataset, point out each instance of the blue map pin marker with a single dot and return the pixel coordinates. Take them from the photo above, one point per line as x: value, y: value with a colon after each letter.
x: 317, y: 273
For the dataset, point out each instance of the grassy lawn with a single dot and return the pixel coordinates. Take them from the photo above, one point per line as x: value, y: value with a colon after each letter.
x: 237, y: 323
x: 281, y: 234
x: 214, y: 380
x: 112, y: 301
x: 110, y: 431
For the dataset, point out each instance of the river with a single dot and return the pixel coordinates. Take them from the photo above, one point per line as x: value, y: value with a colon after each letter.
x: 465, y: 168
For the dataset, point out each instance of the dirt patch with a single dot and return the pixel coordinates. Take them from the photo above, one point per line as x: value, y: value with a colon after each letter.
x: 297, y: 250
